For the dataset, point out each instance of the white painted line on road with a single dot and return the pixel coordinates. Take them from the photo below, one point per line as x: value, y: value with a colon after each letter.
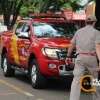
x: 16, y: 88
x: 39, y: 99
x: 6, y: 94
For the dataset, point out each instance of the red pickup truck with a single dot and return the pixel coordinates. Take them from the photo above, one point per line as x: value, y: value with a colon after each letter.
x: 37, y: 47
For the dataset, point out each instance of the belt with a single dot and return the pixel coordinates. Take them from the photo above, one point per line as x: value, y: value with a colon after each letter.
x: 88, y: 54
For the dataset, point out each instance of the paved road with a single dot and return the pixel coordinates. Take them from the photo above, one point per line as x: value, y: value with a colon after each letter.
x: 19, y: 88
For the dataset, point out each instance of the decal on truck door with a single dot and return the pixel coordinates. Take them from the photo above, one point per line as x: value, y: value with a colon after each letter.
x: 14, y: 49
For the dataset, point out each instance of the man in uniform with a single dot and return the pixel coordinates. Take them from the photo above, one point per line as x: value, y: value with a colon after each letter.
x: 87, y: 43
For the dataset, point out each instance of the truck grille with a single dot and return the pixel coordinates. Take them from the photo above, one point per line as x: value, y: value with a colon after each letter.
x: 65, y: 70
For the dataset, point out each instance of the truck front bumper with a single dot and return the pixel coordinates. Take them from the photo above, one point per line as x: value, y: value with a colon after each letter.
x: 55, y: 68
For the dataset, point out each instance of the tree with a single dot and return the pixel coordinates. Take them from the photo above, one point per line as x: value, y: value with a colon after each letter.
x: 33, y: 6
x: 57, y: 5
x: 10, y: 10
x: 44, y: 5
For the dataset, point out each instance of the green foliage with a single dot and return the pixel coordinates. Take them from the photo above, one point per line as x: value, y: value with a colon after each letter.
x: 24, y: 11
x: 71, y: 4
x: 10, y: 10
x: 24, y: 7
x: 66, y: 6
x: 31, y: 6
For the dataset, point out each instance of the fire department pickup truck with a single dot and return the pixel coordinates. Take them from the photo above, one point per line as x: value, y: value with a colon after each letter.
x: 38, y: 47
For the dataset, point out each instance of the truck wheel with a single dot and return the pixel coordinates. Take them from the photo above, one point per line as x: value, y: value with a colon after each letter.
x: 7, y: 70
x: 37, y: 80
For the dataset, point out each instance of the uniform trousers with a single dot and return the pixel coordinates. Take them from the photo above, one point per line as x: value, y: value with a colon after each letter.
x: 82, y: 63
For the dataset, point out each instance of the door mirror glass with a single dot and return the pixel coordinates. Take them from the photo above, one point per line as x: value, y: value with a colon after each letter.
x: 23, y: 35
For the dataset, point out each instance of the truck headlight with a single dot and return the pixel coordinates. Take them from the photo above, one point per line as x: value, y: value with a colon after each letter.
x: 51, y: 52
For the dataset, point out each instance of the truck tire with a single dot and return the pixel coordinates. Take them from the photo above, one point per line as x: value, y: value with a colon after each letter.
x: 37, y: 80
x: 7, y: 70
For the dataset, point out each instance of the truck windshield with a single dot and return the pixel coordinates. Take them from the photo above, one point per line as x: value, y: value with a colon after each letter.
x: 54, y: 29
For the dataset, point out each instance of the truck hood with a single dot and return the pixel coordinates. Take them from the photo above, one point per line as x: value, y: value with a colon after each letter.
x: 54, y: 42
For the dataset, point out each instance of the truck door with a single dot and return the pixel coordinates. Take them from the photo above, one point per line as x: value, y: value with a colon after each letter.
x: 23, y: 44
x: 13, y: 47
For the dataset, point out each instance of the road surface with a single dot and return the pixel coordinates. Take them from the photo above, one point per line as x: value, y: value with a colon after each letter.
x: 19, y: 88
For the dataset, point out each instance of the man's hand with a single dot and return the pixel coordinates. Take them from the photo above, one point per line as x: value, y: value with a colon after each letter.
x: 98, y: 68
x: 98, y: 52
x: 68, y: 61
x: 98, y: 55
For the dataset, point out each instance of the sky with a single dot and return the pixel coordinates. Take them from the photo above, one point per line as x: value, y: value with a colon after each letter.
x: 83, y: 2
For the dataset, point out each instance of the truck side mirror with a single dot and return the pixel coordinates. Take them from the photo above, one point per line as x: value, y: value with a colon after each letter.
x: 23, y: 35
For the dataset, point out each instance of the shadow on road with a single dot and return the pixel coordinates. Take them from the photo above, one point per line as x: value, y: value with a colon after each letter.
x: 60, y: 85
x: 52, y: 84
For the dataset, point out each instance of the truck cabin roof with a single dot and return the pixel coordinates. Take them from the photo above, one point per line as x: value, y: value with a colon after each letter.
x: 49, y: 18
